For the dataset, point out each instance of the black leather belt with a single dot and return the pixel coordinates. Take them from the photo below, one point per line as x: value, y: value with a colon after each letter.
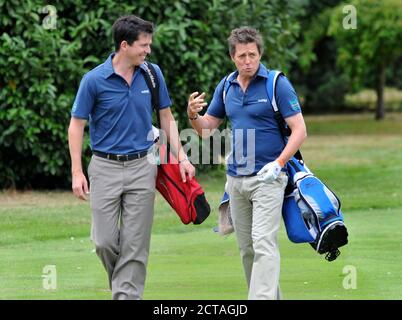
x: 120, y: 157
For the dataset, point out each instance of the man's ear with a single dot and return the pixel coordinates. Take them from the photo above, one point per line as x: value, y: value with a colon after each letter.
x: 123, y: 45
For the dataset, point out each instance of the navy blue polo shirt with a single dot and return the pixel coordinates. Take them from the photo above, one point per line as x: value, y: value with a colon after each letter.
x: 256, y: 139
x: 120, y: 116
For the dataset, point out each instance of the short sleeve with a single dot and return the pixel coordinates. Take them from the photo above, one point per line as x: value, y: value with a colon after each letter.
x: 217, y: 107
x: 287, y: 100
x: 85, y: 98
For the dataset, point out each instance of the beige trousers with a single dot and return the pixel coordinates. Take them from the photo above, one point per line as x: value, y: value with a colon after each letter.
x: 256, y: 210
x: 122, y: 202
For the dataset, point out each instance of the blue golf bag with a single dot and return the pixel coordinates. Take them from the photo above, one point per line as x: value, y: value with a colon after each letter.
x: 312, y: 212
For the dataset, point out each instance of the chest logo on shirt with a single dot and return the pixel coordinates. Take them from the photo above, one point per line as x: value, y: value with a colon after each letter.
x: 145, y: 91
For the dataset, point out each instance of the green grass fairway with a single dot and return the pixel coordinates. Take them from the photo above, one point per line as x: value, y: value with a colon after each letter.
x: 360, y: 159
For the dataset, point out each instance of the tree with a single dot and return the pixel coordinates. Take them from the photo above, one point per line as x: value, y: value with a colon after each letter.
x: 369, y: 36
x: 318, y: 79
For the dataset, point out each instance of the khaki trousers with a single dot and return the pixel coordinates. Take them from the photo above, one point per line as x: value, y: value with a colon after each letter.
x: 256, y: 210
x: 122, y: 201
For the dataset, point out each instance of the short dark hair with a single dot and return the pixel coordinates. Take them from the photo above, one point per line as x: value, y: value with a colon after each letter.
x: 128, y: 28
x: 245, y: 35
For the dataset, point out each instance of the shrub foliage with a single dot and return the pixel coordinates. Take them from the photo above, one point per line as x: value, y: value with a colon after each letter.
x: 46, y: 49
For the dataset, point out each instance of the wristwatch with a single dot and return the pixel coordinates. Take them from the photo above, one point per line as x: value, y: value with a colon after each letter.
x: 182, y: 160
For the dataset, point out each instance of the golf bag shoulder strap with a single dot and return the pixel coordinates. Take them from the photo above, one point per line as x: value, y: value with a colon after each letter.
x: 273, y: 76
x: 152, y: 81
x: 226, y: 86
x: 271, y: 86
x: 271, y: 90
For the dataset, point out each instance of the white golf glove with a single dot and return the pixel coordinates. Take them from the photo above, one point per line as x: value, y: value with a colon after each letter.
x: 269, y: 172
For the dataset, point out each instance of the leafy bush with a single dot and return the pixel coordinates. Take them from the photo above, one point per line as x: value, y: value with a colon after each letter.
x: 45, y: 51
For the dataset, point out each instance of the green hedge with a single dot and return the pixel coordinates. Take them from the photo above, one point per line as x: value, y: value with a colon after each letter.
x: 42, y: 62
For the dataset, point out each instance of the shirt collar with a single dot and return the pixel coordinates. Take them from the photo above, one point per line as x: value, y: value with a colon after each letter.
x: 108, y: 66
x: 261, y: 72
x: 108, y: 69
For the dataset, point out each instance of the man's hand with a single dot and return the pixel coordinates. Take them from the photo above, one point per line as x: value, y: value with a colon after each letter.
x: 195, y: 104
x: 186, y: 168
x: 269, y: 172
x: 80, y: 185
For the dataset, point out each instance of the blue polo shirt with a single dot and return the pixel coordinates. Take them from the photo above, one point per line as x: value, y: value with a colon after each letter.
x: 256, y: 138
x: 120, y: 116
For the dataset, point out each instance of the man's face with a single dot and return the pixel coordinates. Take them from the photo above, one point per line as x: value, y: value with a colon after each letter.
x: 139, y: 49
x: 247, y: 59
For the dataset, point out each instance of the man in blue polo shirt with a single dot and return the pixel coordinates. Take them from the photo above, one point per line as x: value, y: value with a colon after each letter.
x: 116, y: 100
x: 255, y: 168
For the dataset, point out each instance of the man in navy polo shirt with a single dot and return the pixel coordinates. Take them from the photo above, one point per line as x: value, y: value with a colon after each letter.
x: 116, y: 100
x: 256, y: 178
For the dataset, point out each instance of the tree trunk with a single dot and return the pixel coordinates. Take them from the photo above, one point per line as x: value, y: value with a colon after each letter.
x: 380, y: 109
